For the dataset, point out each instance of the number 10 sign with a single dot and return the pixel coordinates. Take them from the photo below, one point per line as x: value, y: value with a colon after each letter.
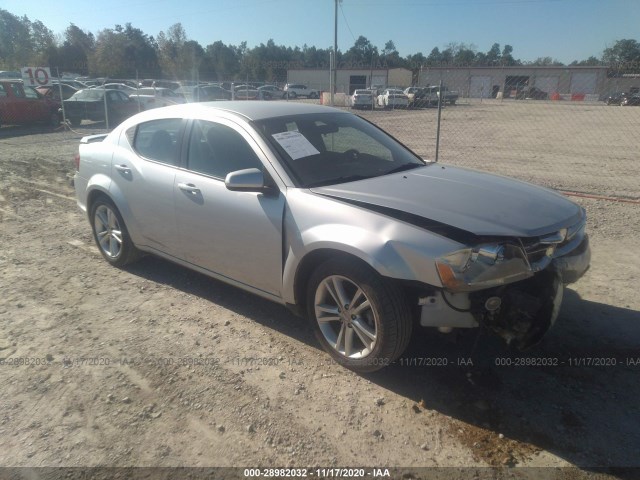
x: 36, y: 76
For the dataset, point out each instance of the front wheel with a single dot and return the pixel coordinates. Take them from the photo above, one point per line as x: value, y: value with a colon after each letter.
x: 111, y: 234
x: 361, y: 319
x: 313, y: 95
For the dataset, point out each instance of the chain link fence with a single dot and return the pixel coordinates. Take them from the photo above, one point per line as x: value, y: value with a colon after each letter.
x: 560, y: 127
x: 539, y: 128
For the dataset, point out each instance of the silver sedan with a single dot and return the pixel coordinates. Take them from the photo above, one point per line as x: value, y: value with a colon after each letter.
x: 320, y: 210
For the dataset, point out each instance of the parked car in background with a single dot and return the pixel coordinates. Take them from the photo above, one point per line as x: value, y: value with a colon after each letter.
x: 410, y: 92
x: 362, y: 99
x: 317, y: 209
x: 53, y: 91
x: 204, y: 93
x: 91, y: 83
x: 532, y: 93
x: 128, y: 89
x: 294, y: 90
x: 271, y: 92
x: 152, y: 97
x: 166, y: 84
x: 615, y: 98
x: 430, y: 96
x: 10, y: 75
x: 246, y: 92
x: 393, y: 97
x: 632, y: 100
x: 78, y: 85
x: 21, y: 104
x: 89, y: 104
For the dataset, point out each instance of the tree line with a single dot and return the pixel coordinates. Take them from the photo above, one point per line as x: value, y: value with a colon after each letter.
x: 128, y: 52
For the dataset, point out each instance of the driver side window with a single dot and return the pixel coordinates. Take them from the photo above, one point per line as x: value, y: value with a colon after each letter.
x: 216, y: 150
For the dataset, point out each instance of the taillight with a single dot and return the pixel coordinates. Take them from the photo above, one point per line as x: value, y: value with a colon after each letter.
x: 76, y: 160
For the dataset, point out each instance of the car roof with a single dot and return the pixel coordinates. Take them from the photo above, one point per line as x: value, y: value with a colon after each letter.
x: 249, y: 110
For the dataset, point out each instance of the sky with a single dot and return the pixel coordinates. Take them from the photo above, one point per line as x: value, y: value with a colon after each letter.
x: 566, y: 30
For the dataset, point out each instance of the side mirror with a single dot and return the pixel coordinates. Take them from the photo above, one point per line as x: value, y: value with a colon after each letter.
x: 248, y: 180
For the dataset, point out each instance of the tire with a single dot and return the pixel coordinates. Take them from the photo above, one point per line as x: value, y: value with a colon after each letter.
x: 313, y: 95
x: 111, y: 234
x: 365, y: 336
x: 75, y: 121
x: 54, y: 120
x: 292, y: 95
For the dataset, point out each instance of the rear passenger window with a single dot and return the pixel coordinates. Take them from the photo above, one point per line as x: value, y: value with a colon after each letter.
x: 3, y: 92
x: 217, y: 150
x: 157, y: 140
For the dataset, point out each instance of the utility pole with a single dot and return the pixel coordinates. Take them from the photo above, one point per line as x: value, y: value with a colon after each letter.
x: 335, y: 51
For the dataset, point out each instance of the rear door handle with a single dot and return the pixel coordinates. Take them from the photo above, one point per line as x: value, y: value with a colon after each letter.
x: 189, y: 188
x: 123, y: 168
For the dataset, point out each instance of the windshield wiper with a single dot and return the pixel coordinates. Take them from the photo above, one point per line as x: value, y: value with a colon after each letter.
x: 402, y: 168
x: 333, y: 181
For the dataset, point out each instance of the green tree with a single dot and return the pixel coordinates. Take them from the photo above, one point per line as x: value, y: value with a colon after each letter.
x: 15, y: 41
x: 493, y: 56
x: 220, y: 62
x: 178, y: 57
x: 435, y: 57
x: 546, y: 62
x: 140, y: 53
x: 361, y: 53
x: 75, y: 52
x: 589, y: 62
x: 110, y: 55
x: 507, y: 59
x: 622, y: 51
x: 390, y: 55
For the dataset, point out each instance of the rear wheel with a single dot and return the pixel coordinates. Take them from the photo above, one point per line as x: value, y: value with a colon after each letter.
x: 111, y: 234
x: 361, y: 319
x: 75, y: 121
x: 292, y: 94
x: 313, y: 95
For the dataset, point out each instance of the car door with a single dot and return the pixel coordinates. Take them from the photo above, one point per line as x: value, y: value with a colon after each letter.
x: 37, y: 109
x: 237, y: 235
x: 18, y: 105
x: 143, y: 174
x: 120, y: 105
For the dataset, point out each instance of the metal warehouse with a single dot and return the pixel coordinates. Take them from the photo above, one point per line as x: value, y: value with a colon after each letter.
x: 558, y: 82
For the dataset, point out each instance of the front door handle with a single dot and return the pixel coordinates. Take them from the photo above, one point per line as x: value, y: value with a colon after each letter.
x: 189, y: 188
x: 123, y: 168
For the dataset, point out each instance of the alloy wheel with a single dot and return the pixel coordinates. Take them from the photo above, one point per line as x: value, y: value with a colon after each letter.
x: 108, y: 231
x: 346, y: 317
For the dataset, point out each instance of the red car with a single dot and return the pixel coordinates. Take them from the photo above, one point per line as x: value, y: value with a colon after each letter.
x: 22, y: 105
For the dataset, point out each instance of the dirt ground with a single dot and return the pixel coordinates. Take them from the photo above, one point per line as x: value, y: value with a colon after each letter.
x: 155, y: 365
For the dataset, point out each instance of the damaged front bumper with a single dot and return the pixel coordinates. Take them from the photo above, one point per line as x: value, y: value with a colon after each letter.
x: 574, y: 264
x: 520, y: 312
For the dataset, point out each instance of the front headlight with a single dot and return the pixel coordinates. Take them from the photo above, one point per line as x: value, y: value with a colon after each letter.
x: 484, y: 266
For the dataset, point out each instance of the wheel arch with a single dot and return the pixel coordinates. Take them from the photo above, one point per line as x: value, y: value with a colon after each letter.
x: 113, y: 194
x: 308, y: 264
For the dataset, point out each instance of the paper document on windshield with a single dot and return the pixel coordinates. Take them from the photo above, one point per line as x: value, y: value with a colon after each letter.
x: 295, y: 144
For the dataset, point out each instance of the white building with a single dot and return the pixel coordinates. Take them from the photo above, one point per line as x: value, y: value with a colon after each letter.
x: 347, y: 80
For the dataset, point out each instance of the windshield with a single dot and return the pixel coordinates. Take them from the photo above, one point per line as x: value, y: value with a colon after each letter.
x: 331, y: 148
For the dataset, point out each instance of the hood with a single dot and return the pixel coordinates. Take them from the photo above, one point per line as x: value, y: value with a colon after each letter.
x: 476, y: 202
